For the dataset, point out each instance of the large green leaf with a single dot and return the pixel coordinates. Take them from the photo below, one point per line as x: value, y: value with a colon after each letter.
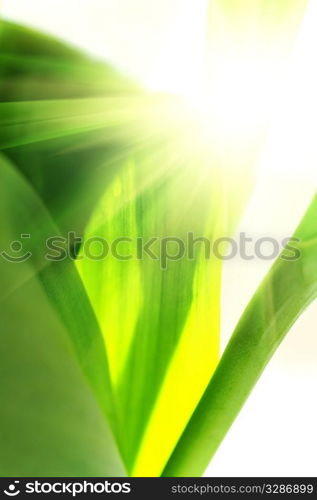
x: 288, y: 289
x: 54, y: 382
x: 151, y: 313
x: 46, y: 132
x: 54, y: 160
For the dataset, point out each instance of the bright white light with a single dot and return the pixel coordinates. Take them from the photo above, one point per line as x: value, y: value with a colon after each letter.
x: 237, y: 100
x: 292, y: 145
x: 178, y: 68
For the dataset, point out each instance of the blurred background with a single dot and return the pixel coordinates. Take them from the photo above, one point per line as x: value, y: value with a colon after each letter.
x: 157, y: 43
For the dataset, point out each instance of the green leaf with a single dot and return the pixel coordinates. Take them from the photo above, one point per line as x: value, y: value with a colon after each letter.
x: 53, y: 364
x: 35, y: 66
x: 160, y: 320
x: 288, y: 289
x: 135, y: 300
x: 60, y: 113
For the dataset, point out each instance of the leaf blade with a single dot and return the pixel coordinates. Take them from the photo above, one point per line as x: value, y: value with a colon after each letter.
x: 287, y: 290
